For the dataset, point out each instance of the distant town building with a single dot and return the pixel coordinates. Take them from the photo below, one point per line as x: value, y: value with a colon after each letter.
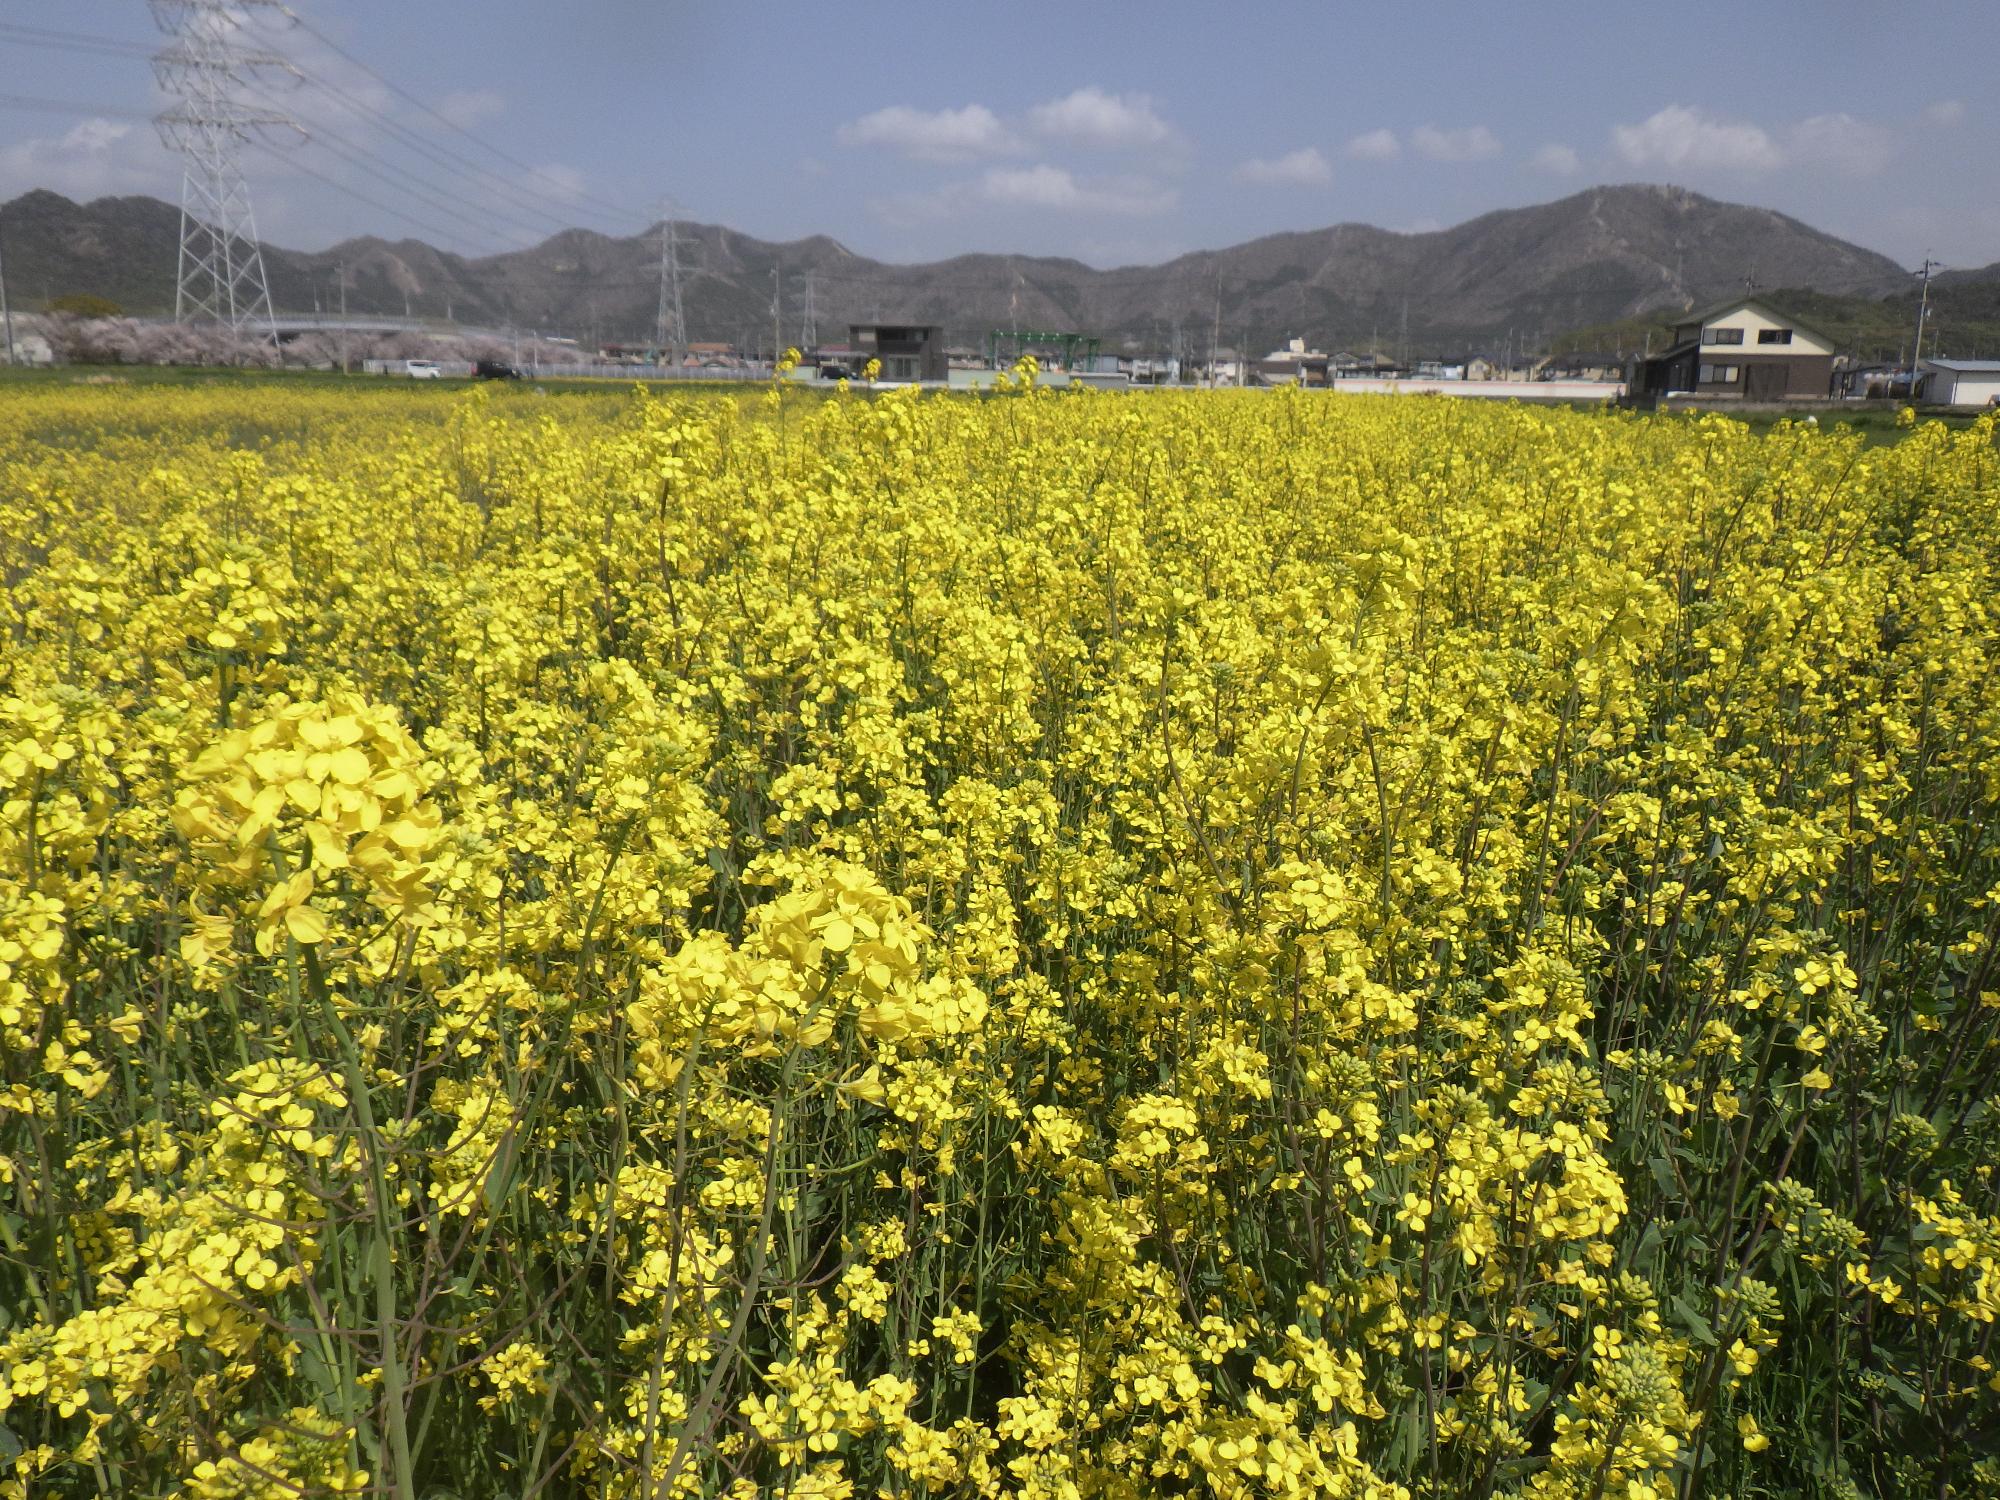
x: 1583, y: 364
x: 1374, y: 366
x: 1744, y: 348
x: 1294, y: 364
x: 908, y: 351
x: 1959, y: 382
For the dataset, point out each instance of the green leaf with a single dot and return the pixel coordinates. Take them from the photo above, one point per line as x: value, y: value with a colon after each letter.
x: 499, y: 1180
x: 1908, y: 1394
x: 1663, y: 1176
x: 1693, y: 1320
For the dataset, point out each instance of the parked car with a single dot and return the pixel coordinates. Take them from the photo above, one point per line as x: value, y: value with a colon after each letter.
x: 834, y: 371
x: 422, y: 369
x: 494, y: 369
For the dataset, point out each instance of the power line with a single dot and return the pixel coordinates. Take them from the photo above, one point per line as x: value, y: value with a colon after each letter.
x: 546, y: 207
x: 360, y: 197
x: 619, y: 211
x: 73, y: 41
x: 69, y: 107
x: 415, y: 184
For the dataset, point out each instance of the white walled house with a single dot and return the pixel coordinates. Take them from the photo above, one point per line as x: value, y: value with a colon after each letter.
x: 1959, y: 382
x: 1745, y: 348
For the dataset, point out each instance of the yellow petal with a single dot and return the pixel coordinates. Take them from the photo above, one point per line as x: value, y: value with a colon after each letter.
x: 408, y: 835
x: 306, y: 924
x: 349, y: 766
x: 329, y: 848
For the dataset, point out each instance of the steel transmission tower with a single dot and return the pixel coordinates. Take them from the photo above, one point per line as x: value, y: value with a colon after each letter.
x: 670, y: 328
x: 206, y: 66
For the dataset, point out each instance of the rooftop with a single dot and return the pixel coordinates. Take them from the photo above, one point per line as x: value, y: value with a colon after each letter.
x: 1737, y: 304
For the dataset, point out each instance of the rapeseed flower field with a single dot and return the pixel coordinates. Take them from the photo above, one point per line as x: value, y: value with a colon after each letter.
x: 1060, y: 946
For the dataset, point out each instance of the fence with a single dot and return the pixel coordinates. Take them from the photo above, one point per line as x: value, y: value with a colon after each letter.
x: 604, y: 370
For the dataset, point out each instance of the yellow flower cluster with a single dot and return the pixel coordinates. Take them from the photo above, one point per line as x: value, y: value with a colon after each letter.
x: 1052, y: 947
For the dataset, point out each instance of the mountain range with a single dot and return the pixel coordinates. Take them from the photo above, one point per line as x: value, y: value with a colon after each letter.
x: 1606, y: 257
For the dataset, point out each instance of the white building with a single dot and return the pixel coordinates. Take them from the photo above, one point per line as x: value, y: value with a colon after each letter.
x: 1959, y: 382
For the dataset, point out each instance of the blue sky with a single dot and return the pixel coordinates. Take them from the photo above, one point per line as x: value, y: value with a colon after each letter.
x: 1113, y: 132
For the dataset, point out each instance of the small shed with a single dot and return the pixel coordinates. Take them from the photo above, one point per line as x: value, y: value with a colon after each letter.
x: 1959, y: 382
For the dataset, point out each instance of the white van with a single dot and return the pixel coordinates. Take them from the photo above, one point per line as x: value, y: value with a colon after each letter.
x: 422, y: 369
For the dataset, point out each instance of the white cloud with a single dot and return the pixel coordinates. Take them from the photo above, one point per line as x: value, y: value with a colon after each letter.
x: 1092, y: 117
x: 1041, y: 186
x: 1305, y: 167
x: 1128, y: 250
x: 561, y: 181
x: 1045, y: 186
x: 1473, y: 143
x: 1680, y: 137
x: 1946, y: 112
x: 1375, y: 145
x: 943, y: 135
x: 1029, y: 189
x: 1557, y: 161
x: 469, y: 107
x: 1843, y: 142
x: 94, y: 158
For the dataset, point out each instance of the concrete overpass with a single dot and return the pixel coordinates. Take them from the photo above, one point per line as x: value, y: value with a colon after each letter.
x: 292, y: 325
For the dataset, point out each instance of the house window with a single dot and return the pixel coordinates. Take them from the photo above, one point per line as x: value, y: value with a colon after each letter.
x: 1718, y: 374
x: 1774, y: 335
x: 1722, y: 335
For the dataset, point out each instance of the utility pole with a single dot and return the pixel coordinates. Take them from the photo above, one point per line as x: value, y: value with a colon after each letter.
x: 1923, y: 311
x: 809, y: 330
x: 6, y: 312
x: 343, y: 316
x: 220, y: 276
x: 670, y: 327
x: 777, y: 313
x: 1215, y: 335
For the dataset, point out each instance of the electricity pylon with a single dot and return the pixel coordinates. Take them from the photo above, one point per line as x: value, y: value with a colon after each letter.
x: 220, y: 276
x: 670, y: 328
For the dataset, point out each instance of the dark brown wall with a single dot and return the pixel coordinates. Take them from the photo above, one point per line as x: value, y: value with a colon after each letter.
x: 1809, y: 375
